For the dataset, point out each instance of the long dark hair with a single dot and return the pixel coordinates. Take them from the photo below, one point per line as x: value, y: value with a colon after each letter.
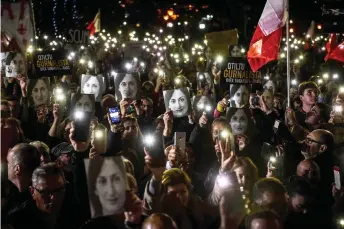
x: 118, y: 79
x: 100, y: 80
x: 251, y: 128
x: 94, y: 168
x: 32, y: 84
x: 76, y: 97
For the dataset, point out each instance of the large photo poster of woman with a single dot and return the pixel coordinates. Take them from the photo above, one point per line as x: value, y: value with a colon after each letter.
x: 127, y: 86
x: 93, y: 85
x: 107, y: 185
x: 178, y: 101
x: 39, y: 91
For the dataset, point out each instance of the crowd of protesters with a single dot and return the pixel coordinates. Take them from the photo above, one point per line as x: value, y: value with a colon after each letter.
x: 277, y: 174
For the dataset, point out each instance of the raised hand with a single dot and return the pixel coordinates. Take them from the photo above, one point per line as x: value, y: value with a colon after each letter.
x: 56, y: 112
x: 203, y: 120
x: 228, y: 157
x: 23, y: 84
x: 156, y: 171
x: 78, y: 146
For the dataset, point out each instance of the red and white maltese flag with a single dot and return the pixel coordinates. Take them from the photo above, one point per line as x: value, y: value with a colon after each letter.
x: 266, y: 39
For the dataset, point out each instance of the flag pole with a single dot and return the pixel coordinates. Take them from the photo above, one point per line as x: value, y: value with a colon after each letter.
x: 288, y: 53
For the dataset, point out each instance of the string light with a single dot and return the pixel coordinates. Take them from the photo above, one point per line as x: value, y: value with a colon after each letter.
x: 54, y: 16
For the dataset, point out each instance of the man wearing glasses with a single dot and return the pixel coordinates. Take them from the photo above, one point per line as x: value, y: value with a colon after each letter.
x: 317, y: 143
x: 49, y: 206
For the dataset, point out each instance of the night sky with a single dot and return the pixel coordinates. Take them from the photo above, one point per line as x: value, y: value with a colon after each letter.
x: 57, y: 16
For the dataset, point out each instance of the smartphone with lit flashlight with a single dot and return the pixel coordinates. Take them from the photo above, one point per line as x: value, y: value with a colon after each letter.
x: 59, y: 96
x: 180, y: 141
x: 154, y: 145
x: 336, y: 172
x: 338, y: 109
x: 115, y: 116
x: 99, y: 137
x: 82, y: 121
x: 267, y: 151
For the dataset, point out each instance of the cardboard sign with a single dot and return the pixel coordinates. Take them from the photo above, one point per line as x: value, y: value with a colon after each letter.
x: 77, y: 36
x: 52, y: 63
x: 238, y: 71
x: 219, y: 41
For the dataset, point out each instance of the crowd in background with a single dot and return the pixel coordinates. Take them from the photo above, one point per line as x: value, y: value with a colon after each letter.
x: 249, y: 162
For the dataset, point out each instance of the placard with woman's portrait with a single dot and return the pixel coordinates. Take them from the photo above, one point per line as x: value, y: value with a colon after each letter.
x: 239, y: 95
x: 3, y: 56
x: 240, y: 121
x: 204, y: 81
x: 127, y: 86
x: 93, y: 85
x: 178, y: 101
x: 107, y: 185
x: 15, y: 64
x: 39, y: 91
x: 82, y: 102
x: 203, y: 103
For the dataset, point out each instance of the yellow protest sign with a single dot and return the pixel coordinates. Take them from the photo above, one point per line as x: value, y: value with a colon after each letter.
x: 219, y: 41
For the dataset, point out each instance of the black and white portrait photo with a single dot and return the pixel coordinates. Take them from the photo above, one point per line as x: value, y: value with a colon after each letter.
x: 240, y: 121
x: 15, y: 64
x: 107, y: 185
x: 235, y: 51
x: 127, y: 86
x: 82, y: 102
x: 39, y: 91
x: 269, y: 85
x: 3, y: 56
x: 204, y: 81
x: 239, y: 95
x: 93, y: 85
x: 178, y: 101
x: 202, y: 103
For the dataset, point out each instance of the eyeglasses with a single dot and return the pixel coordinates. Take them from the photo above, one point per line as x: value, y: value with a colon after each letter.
x: 309, y: 141
x: 57, y: 191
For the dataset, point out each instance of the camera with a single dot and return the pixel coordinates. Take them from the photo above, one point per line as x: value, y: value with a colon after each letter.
x: 130, y: 109
x: 255, y: 101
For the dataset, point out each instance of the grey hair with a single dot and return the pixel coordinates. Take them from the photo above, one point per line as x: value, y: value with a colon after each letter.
x: 44, y: 171
x: 40, y: 144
